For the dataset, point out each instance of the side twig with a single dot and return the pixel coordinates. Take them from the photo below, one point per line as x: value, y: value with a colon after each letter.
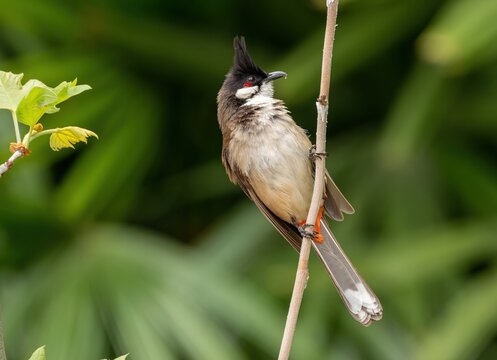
x: 4, y: 168
x: 317, y: 196
x: 10, y: 162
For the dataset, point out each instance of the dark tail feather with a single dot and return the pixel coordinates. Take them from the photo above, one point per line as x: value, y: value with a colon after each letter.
x: 361, y: 302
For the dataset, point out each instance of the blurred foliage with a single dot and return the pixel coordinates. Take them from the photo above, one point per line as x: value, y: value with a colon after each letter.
x: 40, y: 354
x: 156, y: 254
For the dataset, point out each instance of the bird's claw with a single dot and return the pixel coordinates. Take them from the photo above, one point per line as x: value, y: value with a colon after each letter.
x: 306, y: 233
x: 313, y: 154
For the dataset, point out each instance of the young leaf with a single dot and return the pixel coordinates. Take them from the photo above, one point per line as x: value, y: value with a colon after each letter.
x: 38, y: 101
x: 68, y: 136
x: 39, y: 354
x: 122, y: 357
x: 10, y: 90
x: 65, y: 90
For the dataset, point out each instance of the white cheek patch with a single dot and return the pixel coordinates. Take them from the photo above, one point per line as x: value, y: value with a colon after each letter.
x: 267, y: 89
x: 247, y: 92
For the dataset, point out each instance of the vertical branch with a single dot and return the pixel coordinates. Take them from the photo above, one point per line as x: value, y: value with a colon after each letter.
x: 317, y: 195
x: 2, y: 346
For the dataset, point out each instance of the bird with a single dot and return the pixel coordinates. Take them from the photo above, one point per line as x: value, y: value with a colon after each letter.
x: 271, y: 159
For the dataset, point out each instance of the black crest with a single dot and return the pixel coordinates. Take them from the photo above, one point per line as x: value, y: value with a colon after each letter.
x: 243, y: 63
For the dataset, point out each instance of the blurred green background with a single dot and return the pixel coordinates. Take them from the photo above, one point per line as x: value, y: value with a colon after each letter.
x: 138, y: 243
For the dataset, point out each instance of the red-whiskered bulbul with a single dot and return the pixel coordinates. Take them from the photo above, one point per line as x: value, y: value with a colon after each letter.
x: 269, y: 156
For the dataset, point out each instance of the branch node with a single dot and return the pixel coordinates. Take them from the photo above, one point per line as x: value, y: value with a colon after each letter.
x: 14, y: 147
x: 323, y: 100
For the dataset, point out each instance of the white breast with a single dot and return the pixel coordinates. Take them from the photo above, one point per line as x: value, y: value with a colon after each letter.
x: 273, y: 154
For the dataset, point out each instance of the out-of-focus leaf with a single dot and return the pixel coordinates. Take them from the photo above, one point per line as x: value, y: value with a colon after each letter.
x: 474, y: 112
x: 474, y: 179
x: 39, y: 354
x: 69, y: 323
x: 133, y: 331
x: 431, y: 254
x: 465, y: 325
x: 406, y: 125
x: 224, y: 297
x: 180, y: 47
x: 224, y: 245
x: 462, y: 35
x: 68, y: 136
x: 122, y: 357
x: 361, y: 36
x: 188, y: 323
x: 215, y: 183
x: 110, y: 164
x: 51, y: 18
x: 388, y: 342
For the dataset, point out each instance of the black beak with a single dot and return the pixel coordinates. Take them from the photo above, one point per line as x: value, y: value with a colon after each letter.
x: 274, y: 75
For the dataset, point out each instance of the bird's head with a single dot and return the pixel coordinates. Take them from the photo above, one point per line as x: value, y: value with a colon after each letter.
x: 245, y: 79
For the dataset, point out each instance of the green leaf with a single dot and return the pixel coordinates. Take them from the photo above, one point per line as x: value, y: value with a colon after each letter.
x: 122, y: 357
x: 461, y: 36
x: 36, y: 103
x: 40, y: 99
x: 34, y: 99
x: 68, y: 136
x: 39, y: 354
x: 66, y: 90
x: 465, y: 324
x: 10, y: 90
x: 407, y: 124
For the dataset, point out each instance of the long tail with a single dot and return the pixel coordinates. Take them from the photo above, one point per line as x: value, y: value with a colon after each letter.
x: 360, y: 300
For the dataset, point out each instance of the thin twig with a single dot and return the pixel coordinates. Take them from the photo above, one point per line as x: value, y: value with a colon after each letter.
x: 2, y: 346
x: 9, y: 163
x: 317, y: 195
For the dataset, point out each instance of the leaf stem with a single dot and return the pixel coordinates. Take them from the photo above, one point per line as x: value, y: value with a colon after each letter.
x: 317, y: 195
x: 44, y: 132
x: 27, y: 138
x: 16, y: 126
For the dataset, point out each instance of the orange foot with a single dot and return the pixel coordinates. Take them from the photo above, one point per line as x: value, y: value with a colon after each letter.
x: 316, y: 234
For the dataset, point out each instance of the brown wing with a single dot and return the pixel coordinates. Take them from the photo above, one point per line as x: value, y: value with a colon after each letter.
x: 335, y: 203
x: 288, y: 231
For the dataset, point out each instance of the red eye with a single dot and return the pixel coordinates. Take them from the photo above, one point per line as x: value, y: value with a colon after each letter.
x: 249, y: 81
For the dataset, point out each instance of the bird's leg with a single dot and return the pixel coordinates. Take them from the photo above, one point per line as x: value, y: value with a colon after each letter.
x: 306, y: 233
x: 313, y: 154
x: 315, y: 235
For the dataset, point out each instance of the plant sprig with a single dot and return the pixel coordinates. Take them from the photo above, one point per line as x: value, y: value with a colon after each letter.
x: 28, y: 103
x: 39, y: 354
